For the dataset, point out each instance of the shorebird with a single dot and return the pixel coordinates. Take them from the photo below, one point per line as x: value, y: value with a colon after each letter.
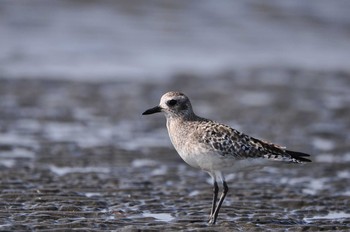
x: 214, y: 147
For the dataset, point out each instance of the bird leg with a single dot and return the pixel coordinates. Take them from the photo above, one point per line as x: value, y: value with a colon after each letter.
x: 215, y: 197
x: 214, y: 216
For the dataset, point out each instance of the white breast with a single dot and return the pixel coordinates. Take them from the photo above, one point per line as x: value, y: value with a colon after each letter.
x: 182, y: 143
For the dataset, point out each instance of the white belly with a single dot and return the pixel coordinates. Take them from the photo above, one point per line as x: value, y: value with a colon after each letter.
x: 190, y: 158
x: 202, y: 159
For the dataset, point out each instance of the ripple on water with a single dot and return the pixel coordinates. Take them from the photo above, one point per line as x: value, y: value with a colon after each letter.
x: 61, y: 171
x: 164, y: 217
x: 336, y: 216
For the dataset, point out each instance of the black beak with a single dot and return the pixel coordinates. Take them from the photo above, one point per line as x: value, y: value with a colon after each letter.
x: 153, y: 110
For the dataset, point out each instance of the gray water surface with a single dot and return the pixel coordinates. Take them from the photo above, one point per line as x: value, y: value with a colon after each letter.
x: 109, y: 40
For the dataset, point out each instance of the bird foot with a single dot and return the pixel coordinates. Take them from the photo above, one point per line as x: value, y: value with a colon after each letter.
x: 211, y: 220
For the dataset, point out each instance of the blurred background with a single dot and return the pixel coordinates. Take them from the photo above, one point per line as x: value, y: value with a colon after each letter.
x: 98, y: 40
x: 75, y: 76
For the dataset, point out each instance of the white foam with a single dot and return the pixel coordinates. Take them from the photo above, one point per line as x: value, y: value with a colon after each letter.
x: 165, y: 217
x: 61, y: 171
x: 92, y: 194
x: 323, y: 144
x: 334, y: 215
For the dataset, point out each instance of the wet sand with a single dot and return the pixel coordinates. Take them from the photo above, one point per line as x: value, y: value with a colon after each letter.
x: 79, y: 155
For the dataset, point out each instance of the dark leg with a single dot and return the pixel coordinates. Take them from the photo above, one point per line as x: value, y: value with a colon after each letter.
x: 215, y: 197
x: 222, y: 197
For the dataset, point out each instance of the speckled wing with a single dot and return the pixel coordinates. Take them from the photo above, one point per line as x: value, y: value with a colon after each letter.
x: 227, y: 141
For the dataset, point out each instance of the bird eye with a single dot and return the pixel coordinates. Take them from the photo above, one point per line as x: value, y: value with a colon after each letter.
x: 171, y: 102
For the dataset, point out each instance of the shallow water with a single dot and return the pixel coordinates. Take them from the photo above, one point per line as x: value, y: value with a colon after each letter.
x: 132, y: 40
x: 78, y: 155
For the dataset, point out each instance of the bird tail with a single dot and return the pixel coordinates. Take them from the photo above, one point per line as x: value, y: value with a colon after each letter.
x: 298, y: 157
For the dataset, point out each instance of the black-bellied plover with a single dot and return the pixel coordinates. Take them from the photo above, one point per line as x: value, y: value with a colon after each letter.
x: 214, y: 147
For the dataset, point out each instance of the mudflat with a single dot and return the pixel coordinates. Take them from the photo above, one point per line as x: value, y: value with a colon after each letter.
x: 79, y: 155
